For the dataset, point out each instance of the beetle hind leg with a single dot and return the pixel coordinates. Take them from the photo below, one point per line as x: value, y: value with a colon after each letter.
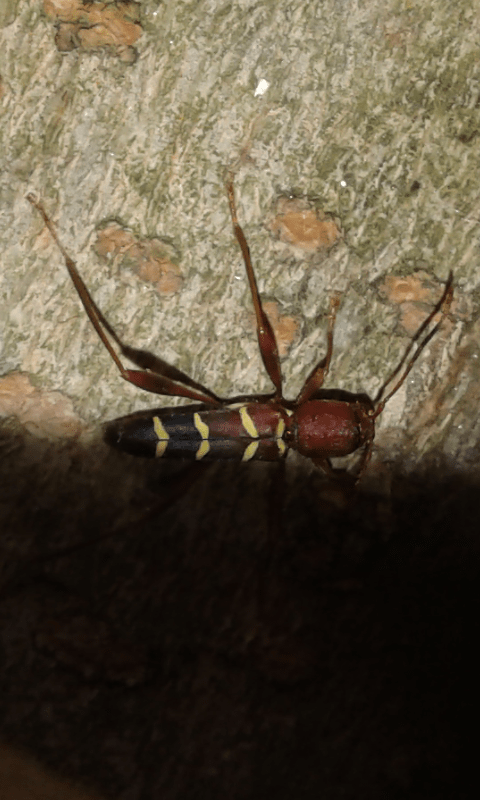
x: 155, y: 374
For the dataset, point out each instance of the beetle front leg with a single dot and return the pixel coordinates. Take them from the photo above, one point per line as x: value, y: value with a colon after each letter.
x: 316, y: 378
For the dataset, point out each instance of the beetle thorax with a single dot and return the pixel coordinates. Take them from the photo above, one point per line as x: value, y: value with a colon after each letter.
x: 330, y: 428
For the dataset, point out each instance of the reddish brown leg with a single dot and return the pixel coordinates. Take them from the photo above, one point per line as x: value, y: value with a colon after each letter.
x: 364, y: 460
x: 341, y: 477
x: 315, y: 380
x: 265, y: 334
x: 155, y: 375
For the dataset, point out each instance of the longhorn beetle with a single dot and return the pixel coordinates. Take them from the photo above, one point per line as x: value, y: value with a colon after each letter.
x: 257, y: 427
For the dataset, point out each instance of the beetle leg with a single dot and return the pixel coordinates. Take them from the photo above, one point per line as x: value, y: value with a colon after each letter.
x: 364, y: 460
x: 265, y: 334
x: 316, y: 378
x: 325, y: 465
x: 155, y: 375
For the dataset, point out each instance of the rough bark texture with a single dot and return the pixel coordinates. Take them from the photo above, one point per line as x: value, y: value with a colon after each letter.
x: 224, y: 645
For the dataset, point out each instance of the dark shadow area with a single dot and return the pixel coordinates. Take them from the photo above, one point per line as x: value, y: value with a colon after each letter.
x: 160, y: 639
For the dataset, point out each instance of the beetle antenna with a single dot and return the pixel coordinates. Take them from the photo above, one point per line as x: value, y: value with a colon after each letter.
x: 442, y: 306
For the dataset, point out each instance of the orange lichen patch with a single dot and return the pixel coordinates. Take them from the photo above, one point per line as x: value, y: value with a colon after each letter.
x: 414, y: 293
x: 149, y: 258
x: 114, y: 241
x: 285, y: 328
x: 297, y: 223
x: 48, y: 415
x: 95, y: 25
x: 411, y: 317
x: 409, y: 288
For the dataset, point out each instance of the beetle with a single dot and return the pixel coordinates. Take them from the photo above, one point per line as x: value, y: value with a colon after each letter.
x: 249, y: 428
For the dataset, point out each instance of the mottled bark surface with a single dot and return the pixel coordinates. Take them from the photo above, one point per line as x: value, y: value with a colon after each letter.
x: 197, y: 635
